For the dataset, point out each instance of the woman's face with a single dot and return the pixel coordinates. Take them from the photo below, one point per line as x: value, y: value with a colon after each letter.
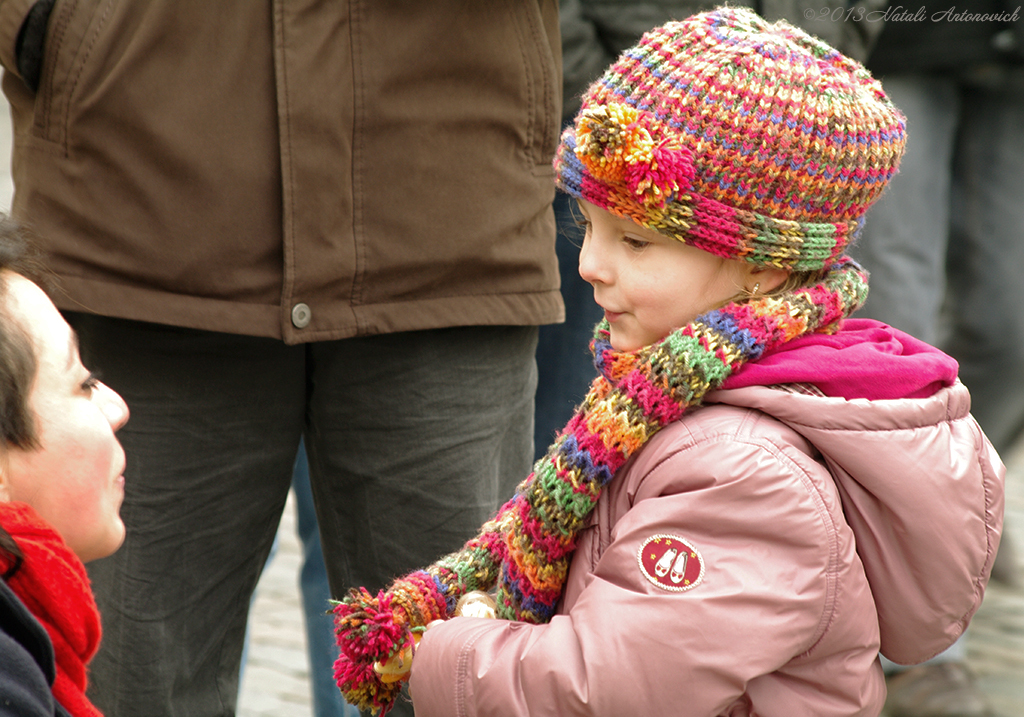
x: 74, y: 477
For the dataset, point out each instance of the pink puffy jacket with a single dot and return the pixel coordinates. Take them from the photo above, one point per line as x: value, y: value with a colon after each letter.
x: 752, y: 559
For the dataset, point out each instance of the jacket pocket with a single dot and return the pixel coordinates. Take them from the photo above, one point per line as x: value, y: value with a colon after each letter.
x: 29, y: 47
x: 76, y: 32
x: 536, y: 24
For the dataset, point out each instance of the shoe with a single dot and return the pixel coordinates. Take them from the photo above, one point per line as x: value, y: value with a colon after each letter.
x: 941, y: 689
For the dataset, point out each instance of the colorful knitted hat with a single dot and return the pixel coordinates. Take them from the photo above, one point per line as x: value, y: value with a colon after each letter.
x: 744, y: 138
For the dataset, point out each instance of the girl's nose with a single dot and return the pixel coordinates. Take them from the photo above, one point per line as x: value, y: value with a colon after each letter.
x: 593, y: 262
x: 113, y: 406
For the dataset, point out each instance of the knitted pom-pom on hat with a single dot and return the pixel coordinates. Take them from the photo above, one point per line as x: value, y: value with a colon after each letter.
x: 748, y: 139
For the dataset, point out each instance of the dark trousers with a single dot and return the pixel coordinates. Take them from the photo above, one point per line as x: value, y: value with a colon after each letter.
x: 413, y: 439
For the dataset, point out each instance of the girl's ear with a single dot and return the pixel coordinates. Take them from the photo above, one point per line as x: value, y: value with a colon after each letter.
x: 762, y: 280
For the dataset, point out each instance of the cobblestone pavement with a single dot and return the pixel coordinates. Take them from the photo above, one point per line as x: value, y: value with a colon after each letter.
x: 275, y: 682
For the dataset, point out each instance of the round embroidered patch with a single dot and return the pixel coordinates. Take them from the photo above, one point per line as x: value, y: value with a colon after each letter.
x: 671, y: 563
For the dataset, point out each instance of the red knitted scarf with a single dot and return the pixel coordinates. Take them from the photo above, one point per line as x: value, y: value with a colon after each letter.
x: 53, y: 584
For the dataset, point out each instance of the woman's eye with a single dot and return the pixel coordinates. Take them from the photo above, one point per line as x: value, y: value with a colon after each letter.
x: 89, y: 385
x: 636, y: 244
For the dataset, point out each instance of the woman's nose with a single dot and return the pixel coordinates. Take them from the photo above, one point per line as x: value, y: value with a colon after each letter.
x: 113, y: 406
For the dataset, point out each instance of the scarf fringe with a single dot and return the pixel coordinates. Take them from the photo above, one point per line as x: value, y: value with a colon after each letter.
x: 525, y: 550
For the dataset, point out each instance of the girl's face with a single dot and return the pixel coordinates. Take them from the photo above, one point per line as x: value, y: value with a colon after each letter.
x: 73, y: 478
x: 649, y: 284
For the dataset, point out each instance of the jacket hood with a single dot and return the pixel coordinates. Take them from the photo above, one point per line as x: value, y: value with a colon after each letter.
x: 866, y: 359
x: 921, y: 485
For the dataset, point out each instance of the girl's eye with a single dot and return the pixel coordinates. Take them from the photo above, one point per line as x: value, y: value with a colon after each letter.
x: 635, y: 244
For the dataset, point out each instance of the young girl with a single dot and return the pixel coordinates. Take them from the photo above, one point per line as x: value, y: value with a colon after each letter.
x: 757, y: 495
x: 61, y: 488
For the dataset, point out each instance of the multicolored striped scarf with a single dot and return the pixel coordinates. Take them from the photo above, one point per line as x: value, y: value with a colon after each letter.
x: 523, y: 553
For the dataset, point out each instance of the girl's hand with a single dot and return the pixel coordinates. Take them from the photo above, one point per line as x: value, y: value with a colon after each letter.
x: 476, y: 604
x: 398, y: 666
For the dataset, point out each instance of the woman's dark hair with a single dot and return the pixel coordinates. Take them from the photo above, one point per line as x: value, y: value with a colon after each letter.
x: 13, y: 554
x: 18, y: 363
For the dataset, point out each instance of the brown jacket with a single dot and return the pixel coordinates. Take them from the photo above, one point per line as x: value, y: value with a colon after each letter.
x: 292, y: 169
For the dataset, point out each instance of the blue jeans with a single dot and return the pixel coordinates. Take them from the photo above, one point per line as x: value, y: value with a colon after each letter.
x: 316, y: 593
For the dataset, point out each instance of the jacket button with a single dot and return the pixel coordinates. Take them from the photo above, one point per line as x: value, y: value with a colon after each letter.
x: 301, y: 316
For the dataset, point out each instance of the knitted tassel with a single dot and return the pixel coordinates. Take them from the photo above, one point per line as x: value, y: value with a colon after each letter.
x: 525, y: 550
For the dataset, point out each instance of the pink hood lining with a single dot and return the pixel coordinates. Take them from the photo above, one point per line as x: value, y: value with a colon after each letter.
x: 864, y: 359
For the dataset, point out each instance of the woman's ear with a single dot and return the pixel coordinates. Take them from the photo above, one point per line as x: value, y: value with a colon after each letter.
x: 761, y: 280
x: 5, y: 493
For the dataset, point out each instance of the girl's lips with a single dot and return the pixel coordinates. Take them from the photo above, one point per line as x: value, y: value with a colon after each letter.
x: 612, y: 316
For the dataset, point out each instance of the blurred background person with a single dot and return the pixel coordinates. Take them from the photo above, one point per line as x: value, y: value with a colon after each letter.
x: 945, y: 247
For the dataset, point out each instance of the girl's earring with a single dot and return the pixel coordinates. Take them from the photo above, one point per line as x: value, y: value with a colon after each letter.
x: 752, y: 293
